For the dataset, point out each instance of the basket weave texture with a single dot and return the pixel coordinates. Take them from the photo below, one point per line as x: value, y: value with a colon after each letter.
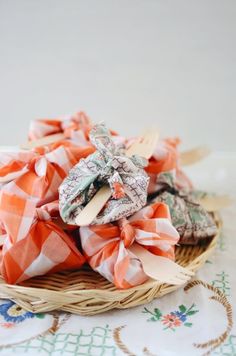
x: 85, y: 292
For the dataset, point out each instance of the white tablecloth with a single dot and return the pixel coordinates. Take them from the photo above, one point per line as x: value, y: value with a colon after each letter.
x: 195, y: 320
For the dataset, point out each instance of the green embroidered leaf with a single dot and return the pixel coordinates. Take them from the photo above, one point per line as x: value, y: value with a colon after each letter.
x: 158, y: 313
x: 192, y: 312
x: 182, y: 308
x: 188, y: 324
x: 152, y: 319
x: 40, y: 316
x: 145, y: 311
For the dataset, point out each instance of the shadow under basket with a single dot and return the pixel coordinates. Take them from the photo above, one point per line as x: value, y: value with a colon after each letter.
x: 85, y: 292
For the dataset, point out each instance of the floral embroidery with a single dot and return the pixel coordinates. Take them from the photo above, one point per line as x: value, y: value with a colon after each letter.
x: 173, y: 319
x: 13, y: 313
x: 222, y: 283
x: 7, y: 325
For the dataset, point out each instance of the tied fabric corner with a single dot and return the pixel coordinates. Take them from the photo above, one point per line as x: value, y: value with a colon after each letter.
x: 106, y: 246
x: 70, y: 126
x: 36, y: 176
x: 108, y: 165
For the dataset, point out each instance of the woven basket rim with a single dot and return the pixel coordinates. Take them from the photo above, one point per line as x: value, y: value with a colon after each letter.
x: 89, y: 301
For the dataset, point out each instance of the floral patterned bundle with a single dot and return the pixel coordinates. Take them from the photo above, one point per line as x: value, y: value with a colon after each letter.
x: 125, y: 176
x: 43, y: 190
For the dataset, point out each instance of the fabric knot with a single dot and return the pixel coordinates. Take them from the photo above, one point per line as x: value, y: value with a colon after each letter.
x: 127, y: 232
x: 107, y: 246
x: 108, y: 165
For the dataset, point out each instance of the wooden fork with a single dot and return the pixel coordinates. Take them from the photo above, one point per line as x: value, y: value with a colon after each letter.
x: 161, y: 268
x: 193, y: 156
x: 44, y: 141
x: 186, y: 158
x: 144, y: 146
x: 216, y: 202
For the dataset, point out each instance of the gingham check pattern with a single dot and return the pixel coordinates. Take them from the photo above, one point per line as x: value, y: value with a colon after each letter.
x: 34, y: 244
x: 28, y: 174
x: 107, y: 246
x: 77, y: 125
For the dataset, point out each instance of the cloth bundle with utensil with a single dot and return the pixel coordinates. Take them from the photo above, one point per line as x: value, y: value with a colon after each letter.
x: 108, y: 165
x: 63, y: 168
x: 107, y: 247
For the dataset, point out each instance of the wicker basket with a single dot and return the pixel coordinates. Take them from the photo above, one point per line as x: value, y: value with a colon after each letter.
x: 85, y: 292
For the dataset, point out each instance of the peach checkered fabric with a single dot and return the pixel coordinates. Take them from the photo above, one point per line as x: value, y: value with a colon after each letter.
x: 75, y: 126
x: 107, y: 246
x: 29, y: 183
x: 34, y: 244
x: 29, y: 174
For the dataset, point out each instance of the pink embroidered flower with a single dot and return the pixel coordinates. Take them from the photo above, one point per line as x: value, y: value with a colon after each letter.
x: 8, y: 325
x: 171, y: 320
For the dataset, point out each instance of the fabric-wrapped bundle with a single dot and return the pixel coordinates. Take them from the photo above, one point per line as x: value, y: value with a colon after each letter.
x: 75, y: 127
x: 73, y: 131
x: 108, y: 165
x: 34, y: 244
x: 57, y: 179
x: 107, y: 246
x: 29, y: 174
x: 192, y: 221
x: 165, y: 158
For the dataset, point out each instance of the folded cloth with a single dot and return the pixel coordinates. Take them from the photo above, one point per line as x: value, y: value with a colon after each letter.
x: 107, y: 246
x: 34, y: 245
x: 191, y: 220
x: 108, y: 165
x: 29, y: 174
x: 67, y: 144
x: 75, y: 130
x: 164, y: 159
x: 74, y: 127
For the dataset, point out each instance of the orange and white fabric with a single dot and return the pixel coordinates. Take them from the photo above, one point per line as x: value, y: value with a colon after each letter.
x: 106, y: 246
x: 73, y: 127
x: 28, y: 174
x: 34, y: 243
x: 164, y: 159
x: 75, y: 130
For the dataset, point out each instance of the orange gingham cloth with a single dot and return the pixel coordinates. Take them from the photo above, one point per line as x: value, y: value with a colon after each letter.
x: 34, y: 244
x: 28, y: 182
x: 75, y: 127
x: 164, y: 159
x: 29, y: 174
x: 106, y: 247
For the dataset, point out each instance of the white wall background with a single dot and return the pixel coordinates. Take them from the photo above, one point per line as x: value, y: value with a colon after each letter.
x: 129, y: 62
